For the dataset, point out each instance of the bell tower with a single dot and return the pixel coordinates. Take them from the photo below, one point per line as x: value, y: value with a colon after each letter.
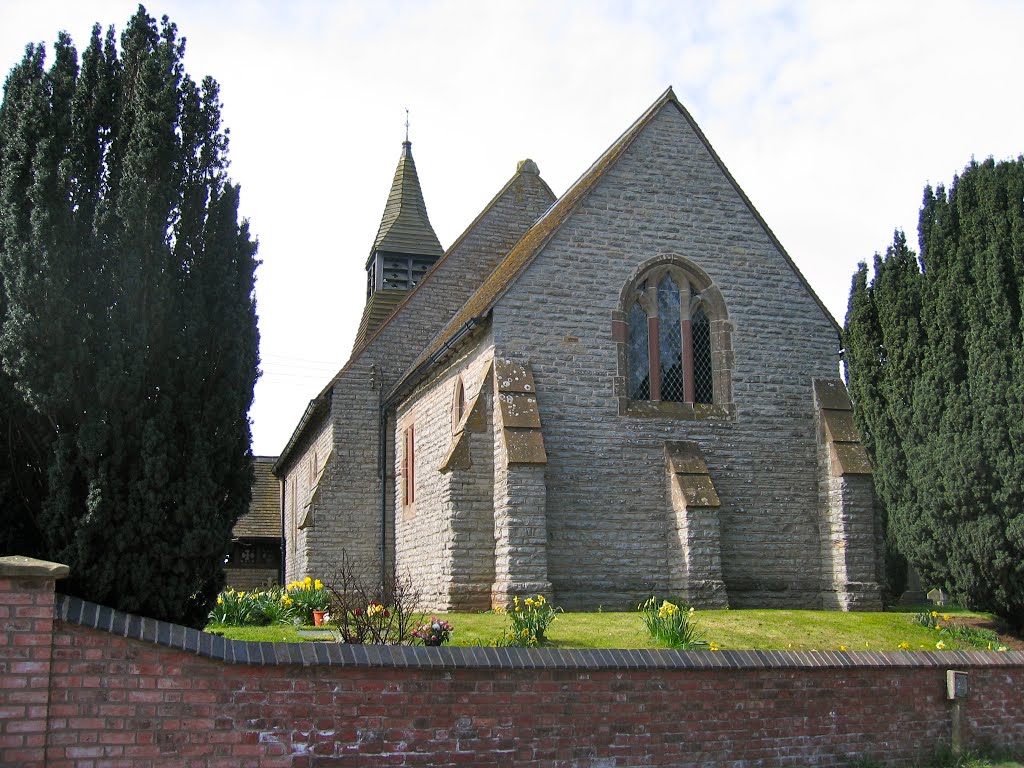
x: 404, y: 249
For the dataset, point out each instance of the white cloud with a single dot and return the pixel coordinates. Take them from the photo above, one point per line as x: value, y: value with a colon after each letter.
x: 831, y: 116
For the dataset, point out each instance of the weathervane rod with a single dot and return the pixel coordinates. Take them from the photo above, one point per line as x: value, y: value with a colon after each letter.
x: 406, y: 123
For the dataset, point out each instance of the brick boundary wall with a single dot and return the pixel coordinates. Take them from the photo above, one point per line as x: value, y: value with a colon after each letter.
x: 83, y: 686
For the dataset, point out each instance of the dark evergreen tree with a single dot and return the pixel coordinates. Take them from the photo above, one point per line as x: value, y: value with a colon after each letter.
x: 934, y: 361
x: 129, y: 325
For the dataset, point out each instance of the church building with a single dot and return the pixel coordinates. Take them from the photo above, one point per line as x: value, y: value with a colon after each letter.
x: 626, y: 391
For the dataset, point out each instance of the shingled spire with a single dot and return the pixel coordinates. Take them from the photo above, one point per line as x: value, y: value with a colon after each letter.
x: 404, y: 249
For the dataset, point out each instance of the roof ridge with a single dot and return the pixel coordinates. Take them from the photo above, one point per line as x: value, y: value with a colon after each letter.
x: 458, y: 241
x: 534, y: 240
x: 357, y: 352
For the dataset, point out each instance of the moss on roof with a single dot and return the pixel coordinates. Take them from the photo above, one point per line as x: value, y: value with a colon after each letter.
x: 537, y: 237
x: 379, y: 308
x: 319, y: 405
x: 521, y: 256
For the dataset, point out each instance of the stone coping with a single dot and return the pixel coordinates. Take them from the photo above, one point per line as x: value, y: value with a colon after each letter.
x: 19, y: 566
x: 77, y: 611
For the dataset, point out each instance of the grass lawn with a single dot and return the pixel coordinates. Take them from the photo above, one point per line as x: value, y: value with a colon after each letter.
x: 729, y: 630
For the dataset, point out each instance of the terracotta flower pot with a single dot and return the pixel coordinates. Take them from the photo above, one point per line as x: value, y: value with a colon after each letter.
x: 318, y: 618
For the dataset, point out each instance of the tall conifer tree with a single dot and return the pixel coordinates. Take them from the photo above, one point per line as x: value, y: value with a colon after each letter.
x: 129, y: 324
x: 934, y: 360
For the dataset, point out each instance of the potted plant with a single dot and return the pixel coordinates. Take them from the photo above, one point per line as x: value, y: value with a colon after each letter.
x: 434, y: 632
x: 311, y: 599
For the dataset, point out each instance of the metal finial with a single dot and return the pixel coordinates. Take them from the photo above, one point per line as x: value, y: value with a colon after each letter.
x: 407, y: 124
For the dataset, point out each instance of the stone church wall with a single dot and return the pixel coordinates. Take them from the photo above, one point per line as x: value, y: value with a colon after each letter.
x: 349, y: 516
x: 444, y: 541
x: 606, y: 486
x: 309, y: 457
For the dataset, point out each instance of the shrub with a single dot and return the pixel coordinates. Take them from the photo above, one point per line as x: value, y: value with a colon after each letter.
x: 672, y: 625
x: 371, y: 612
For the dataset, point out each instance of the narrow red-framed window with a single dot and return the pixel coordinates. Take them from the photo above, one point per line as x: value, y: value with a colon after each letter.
x: 409, y: 467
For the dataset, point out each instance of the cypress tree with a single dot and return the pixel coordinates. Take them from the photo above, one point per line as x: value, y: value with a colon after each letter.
x: 129, y: 325
x: 950, y: 380
x: 881, y: 355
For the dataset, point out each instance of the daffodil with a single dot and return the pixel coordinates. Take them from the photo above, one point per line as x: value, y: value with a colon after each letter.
x: 318, y: 584
x: 940, y: 645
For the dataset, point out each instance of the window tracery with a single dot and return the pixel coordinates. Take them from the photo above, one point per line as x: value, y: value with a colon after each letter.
x: 675, y: 342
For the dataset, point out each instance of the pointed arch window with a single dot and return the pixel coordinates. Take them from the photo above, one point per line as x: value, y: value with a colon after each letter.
x: 675, y: 343
x: 458, y: 404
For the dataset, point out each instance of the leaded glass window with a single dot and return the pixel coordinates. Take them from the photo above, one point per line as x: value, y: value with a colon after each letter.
x: 675, y: 341
x: 670, y: 341
x: 638, y: 355
x: 703, y: 385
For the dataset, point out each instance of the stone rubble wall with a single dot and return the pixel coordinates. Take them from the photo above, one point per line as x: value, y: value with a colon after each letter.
x: 606, y: 494
x: 348, y: 516
x: 309, y: 457
x: 444, y: 542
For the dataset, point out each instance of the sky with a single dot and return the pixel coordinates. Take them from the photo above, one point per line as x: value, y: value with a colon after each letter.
x: 832, y: 117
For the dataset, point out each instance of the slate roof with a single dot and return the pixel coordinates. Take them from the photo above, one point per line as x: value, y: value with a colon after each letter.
x: 379, y: 307
x: 264, y: 516
x: 320, y: 405
x: 405, y: 227
x: 533, y: 242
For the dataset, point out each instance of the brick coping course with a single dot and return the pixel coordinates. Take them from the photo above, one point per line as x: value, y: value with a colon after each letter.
x: 81, y: 612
